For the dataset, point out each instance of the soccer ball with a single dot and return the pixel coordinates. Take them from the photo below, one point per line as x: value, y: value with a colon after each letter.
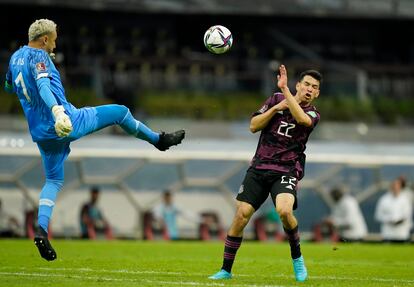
x: 218, y: 39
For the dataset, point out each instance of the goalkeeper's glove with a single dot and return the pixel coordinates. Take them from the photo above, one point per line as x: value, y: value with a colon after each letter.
x: 63, y: 125
x: 8, y: 87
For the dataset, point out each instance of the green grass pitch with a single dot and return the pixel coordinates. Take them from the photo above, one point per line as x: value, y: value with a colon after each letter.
x: 139, y: 263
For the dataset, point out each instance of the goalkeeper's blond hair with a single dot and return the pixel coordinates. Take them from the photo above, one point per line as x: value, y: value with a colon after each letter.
x: 40, y: 28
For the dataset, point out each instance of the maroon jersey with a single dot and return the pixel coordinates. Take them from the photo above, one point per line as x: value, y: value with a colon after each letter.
x: 283, y: 141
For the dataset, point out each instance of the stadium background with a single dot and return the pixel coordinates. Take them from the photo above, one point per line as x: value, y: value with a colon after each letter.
x: 149, y: 56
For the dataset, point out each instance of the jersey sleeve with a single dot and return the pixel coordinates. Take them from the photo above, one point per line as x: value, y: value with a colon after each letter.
x: 40, y: 65
x: 314, y: 116
x: 270, y: 102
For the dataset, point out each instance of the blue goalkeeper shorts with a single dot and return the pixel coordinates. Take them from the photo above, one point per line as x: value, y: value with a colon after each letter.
x: 84, y: 121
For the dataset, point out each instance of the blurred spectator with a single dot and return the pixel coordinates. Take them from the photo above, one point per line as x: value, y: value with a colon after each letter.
x: 153, y: 227
x: 92, y: 221
x: 394, y: 212
x: 346, y: 222
x: 210, y: 226
x: 9, y: 226
x: 406, y: 189
x: 166, y: 213
x: 409, y: 192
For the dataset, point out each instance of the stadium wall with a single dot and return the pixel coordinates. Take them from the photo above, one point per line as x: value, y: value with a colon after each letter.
x: 204, y: 175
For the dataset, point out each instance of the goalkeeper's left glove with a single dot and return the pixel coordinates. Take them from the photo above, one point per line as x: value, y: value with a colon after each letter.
x: 8, y: 87
x: 63, y: 125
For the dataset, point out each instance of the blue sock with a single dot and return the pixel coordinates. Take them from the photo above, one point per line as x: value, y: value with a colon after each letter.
x: 47, y: 202
x: 118, y: 114
x: 138, y: 129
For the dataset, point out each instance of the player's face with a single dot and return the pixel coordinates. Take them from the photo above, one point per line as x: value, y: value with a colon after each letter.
x: 50, y: 42
x: 396, y: 187
x: 308, y: 89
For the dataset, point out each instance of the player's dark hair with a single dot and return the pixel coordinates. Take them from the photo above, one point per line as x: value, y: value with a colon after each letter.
x: 313, y: 73
x: 337, y: 193
x: 94, y: 189
x: 403, y: 181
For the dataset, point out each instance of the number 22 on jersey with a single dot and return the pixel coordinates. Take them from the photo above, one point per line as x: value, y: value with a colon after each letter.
x: 284, y: 129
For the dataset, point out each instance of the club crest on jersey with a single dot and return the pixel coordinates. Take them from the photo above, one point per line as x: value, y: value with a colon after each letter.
x: 263, y: 109
x: 41, y: 67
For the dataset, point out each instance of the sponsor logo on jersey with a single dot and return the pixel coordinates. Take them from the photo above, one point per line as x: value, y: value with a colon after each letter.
x: 41, y: 67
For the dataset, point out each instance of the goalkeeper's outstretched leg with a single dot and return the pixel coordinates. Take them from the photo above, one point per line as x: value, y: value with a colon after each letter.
x: 96, y: 118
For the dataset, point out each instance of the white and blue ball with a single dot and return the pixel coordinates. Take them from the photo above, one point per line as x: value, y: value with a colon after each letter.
x: 218, y: 39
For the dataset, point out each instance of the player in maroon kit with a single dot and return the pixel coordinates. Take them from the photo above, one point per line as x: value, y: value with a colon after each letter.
x: 286, y: 122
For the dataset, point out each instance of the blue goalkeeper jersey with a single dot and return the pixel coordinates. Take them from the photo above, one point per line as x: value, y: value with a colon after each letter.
x: 27, y: 65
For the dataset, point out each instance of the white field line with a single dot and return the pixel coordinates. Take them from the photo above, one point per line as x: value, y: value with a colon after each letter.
x: 109, y: 279
x: 138, y: 272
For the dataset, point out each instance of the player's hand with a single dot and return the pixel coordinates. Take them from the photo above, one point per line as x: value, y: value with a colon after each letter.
x: 281, y: 106
x: 282, y: 79
x: 63, y: 125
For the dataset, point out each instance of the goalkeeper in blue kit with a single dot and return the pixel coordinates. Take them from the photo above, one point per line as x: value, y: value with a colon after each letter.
x: 54, y: 122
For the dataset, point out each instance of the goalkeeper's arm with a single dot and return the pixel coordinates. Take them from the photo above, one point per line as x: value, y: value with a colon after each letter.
x: 8, y: 85
x: 63, y: 124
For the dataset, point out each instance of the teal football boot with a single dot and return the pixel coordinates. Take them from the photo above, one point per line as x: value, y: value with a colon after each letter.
x: 222, y: 274
x: 301, y: 273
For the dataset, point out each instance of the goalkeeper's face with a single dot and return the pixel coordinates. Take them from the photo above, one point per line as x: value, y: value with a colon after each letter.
x: 49, y: 41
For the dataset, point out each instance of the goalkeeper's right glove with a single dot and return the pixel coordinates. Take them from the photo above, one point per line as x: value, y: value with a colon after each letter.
x: 63, y: 125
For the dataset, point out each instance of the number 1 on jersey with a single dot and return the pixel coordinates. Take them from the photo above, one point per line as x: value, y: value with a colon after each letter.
x: 20, y: 82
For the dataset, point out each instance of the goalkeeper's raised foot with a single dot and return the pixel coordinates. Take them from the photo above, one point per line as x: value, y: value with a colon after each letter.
x: 168, y: 140
x: 45, y: 248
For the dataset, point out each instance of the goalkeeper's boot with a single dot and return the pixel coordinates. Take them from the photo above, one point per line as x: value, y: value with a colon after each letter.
x: 42, y: 243
x: 222, y: 274
x: 301, y: 273
x: 168, y: 140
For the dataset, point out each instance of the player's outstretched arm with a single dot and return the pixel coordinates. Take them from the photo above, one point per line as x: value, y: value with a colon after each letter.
x: 259, y: 122
x: 297, y: 112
